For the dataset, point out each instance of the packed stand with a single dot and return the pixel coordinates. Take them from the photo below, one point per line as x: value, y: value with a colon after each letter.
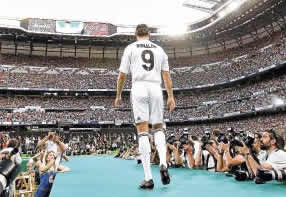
x: 203, y: 104
x: 184, y: 77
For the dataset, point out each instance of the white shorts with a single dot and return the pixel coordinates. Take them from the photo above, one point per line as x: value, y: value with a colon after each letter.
x: 147, y: 102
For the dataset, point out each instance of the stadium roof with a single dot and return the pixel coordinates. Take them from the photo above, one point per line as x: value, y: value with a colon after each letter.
x: 252, y: 19
x: 125, y: 12
x: 208, y: 6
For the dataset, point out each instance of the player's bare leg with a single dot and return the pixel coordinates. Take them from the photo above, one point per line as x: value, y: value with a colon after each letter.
x: 160, y: 142
x: 145, y: 152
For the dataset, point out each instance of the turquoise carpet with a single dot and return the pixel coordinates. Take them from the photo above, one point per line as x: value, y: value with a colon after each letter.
x: 104, y: 176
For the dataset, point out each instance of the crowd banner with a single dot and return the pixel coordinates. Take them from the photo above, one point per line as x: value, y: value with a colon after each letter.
x: 69, y: 27
x: 42, y: 25
x: 96, y: 29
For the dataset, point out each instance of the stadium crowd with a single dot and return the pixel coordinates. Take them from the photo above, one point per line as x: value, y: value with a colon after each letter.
x: 100, y: 108
x: 183, y: 77
x: 230, y: 147
x: 200, y: 104
x: 246, y: 149
x: 196, y: 98
x: 239, y: 98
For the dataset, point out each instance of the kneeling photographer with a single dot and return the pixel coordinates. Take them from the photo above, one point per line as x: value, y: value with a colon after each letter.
x: 174, y: 152
x: 233, y: 146
x: 274, y: 166
x: 180, y: 152
x: 207, y: 156
x: 10, y: 166
x: 187, y: 150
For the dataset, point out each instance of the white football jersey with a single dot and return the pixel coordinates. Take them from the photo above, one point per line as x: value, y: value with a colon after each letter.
x: 144, y: 60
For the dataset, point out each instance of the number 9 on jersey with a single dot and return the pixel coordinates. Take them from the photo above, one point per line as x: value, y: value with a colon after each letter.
x: 148, y: 58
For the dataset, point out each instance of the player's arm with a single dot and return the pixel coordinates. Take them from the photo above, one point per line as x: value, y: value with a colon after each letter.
x: 124, y: 70
x: 168, y: 82
x: 168, y: 85
x: 120, y: 84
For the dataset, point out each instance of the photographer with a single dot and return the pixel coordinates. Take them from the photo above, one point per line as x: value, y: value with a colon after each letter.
x: 48, y: 170
x: 173, y: 152
x: 189, y: 156
x: 182, y: 151
x: 175, y: 155
x: 275, y: 159
x: 196, y: 143
x: 208, y: 156
x: 215, y: 134
x: 234, y: 159
x: 4, y: 140
x: 10, y: 166
x: 33, y: 166
x: 51, y: 142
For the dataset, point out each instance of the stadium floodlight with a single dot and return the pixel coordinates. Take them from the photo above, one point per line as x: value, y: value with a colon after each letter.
x: 234, y: 5
x: 231, y: 7
x: 277, y: 101
x: 174, y: 30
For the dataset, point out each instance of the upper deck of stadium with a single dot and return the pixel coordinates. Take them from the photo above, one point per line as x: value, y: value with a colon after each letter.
x: 229, y: 24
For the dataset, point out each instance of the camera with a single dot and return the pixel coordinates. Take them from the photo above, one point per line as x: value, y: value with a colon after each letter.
x: 248, y: 139
x: 184, y: 139
x: 51, y: 135
x: 237, y: 138
x: 171, y: 139
x: 9, y: 168
x: 205, y: 139
x: 222, y: 138
x: 242, y: 175
x: 264, y: 175
x: 242, y: 136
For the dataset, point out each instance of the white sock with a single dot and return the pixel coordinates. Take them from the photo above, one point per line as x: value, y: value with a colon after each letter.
x: 160, y: 142
x: 145, y: 152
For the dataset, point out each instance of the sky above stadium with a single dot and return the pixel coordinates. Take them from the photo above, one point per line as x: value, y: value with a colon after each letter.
x: 125, y: 12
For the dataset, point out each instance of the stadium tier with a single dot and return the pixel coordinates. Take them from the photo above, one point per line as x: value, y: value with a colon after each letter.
x: 58, y: 81
x: 18, y: 73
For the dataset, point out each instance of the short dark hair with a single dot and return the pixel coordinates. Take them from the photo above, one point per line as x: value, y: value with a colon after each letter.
x: 194, y: 137
x: 279, y: 140
x: 142, y: 30
x: 216, y: 132
x: 13, y: 143
x: 258, y: 134
x: 272, y: 133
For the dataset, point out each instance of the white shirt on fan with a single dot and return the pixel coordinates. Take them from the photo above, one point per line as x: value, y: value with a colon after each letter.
x: 209, y: 161
x: 144, y: 60
x: 51, y: 146
x: 277, y: 159
x: 196, y: 147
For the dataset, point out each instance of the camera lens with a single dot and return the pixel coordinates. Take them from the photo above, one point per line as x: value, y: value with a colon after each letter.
x: 3, y: 183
